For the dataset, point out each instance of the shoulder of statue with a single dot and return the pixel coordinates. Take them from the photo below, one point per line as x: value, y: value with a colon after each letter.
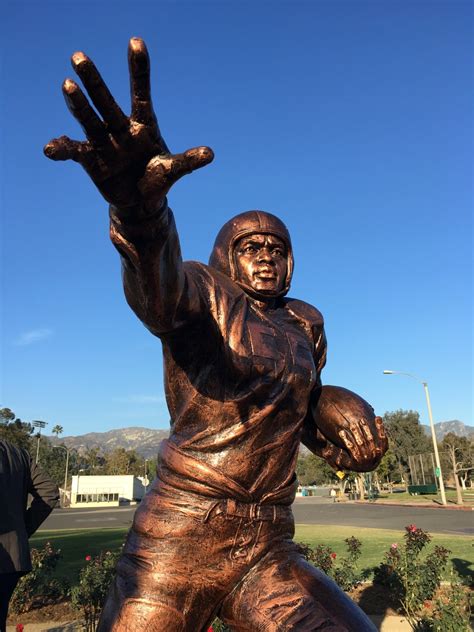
x: 305, y: 311
x: 210, y: 276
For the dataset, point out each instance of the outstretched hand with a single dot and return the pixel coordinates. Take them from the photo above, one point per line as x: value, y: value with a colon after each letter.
x: 125, y: 156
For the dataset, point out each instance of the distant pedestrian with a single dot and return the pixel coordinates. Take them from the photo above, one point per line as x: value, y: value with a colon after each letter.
x: 19, y: 476
x: 333, y: 494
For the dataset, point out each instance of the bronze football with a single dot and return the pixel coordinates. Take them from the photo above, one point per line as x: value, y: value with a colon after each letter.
x: 335, y: 408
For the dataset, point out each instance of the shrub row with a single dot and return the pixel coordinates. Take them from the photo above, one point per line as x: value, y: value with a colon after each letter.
x: 412, y: 576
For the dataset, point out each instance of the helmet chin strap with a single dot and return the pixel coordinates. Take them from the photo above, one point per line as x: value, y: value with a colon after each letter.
x: 260, y: 296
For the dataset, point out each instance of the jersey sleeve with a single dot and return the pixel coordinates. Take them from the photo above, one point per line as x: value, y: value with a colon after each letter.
x: 160, y: 290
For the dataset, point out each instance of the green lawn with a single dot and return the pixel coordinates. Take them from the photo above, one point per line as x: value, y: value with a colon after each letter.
x: 76, y: 544
x: 375, y: 542
x: 405, y: 497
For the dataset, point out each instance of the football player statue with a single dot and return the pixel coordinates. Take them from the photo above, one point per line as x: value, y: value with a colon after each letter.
x: 214, y: 535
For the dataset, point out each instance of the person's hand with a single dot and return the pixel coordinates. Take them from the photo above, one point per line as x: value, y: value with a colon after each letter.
x: 346, y: 432
x: 126, y: 157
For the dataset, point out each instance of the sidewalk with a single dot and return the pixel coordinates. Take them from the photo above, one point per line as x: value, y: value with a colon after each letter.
x: 383, y: 624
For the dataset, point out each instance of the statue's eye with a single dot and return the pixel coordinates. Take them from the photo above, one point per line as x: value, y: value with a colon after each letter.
x: 250, y: 249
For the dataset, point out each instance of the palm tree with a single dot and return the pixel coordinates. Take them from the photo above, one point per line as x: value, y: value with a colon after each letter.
x: 57, y: 430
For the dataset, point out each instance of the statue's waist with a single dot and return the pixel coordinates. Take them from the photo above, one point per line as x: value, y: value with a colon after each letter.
x: 181, y: 470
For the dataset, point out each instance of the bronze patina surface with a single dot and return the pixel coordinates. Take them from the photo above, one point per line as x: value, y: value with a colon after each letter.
x: 242, y: 378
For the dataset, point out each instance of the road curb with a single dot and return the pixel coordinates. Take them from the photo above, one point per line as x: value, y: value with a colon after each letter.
x: 417, y: 505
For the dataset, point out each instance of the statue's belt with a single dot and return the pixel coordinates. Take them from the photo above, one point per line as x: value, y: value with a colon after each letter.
x: 180, y: 470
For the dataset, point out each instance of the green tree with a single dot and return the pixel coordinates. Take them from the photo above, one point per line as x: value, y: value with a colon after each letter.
x: 93, y: 461
x: 406, y: 437
x: 14, y: 429
x: 311, y: 470
x: 457, y: 456
x: 122, y: 461
x: 388, y: 470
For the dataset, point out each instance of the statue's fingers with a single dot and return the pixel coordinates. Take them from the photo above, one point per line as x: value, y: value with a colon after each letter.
x: 336, y: 457
x: 170, y: 168
x: 358, y: 433
x: 350, y: 444
x: 380, y: 427
x: 84, y: 114
x: 197, y: 157
x: 100, y: 95
x: 63, y: 148
x: 140, y: 90
x: 368, y: 432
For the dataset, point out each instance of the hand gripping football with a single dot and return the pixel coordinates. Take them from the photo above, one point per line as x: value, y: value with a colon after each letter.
x: 345, y: 430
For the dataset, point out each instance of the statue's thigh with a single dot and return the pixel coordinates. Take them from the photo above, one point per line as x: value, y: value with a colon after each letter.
x: 283, y: 592
x: 160, y: 583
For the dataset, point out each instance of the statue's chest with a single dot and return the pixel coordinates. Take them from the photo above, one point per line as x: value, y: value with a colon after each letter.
x: 280, y: 349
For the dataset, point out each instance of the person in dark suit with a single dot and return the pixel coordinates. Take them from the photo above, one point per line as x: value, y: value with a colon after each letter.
x: 19, y: 476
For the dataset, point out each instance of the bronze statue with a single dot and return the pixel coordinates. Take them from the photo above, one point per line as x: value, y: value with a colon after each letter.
x: 242, y: 378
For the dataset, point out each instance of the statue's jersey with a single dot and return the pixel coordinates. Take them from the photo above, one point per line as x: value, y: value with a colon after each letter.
x: 238, y: 375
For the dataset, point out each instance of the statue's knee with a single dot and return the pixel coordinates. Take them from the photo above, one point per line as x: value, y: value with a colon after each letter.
x: 141, y: 614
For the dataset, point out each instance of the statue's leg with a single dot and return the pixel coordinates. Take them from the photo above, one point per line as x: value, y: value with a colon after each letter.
x: 161, y: 582
x: 283, y: 592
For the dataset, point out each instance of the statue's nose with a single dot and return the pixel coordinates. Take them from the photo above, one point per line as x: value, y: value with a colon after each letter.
x: 264, y: 255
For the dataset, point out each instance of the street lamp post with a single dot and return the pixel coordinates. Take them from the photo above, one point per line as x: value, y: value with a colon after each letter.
x: 38, y: 424
x: 62, y: 447
x: 439, y: 473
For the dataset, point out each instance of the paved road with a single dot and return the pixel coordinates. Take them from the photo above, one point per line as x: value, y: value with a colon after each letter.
x: 312, y: 510
x: 383, y: 517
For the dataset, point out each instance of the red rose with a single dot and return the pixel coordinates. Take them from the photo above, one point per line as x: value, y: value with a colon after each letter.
x: 88, y: 558
x: 333, y: 555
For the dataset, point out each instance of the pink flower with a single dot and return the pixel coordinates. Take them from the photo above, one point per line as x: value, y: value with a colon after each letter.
x: 411, y: 528
x: 210, y: 629
x: 394, y: 546
x: 333, y: 555
x: 19, y: 627
x: 88, y: 558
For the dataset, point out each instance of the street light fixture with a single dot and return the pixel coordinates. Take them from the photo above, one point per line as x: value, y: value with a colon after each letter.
x: 38, y: 424
x: 439, y: 473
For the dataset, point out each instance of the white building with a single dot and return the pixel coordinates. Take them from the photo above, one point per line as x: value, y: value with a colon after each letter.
x: 104, y: 491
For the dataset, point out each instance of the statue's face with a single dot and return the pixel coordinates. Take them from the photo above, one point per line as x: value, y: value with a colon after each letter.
x: 261, y: 262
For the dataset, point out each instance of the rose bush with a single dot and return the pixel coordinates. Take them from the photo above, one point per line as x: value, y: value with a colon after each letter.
x: 38, y: 587
x: 94, y: 580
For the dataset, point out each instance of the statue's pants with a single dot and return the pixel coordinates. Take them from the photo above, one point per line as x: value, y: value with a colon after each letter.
x: 188, y: 559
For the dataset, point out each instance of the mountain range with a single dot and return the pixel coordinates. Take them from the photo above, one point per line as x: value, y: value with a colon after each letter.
x: 147, y: 440
x: 144, y: 440
x: 442, y: 428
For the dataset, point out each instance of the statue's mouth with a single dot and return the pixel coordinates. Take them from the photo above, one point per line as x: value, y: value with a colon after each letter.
x: 265, y: 274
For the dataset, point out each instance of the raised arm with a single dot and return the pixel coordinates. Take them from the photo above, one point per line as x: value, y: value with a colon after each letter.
x: 129, y: 162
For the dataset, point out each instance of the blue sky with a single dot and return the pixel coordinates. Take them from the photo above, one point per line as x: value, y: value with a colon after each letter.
x: 352, y: 121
